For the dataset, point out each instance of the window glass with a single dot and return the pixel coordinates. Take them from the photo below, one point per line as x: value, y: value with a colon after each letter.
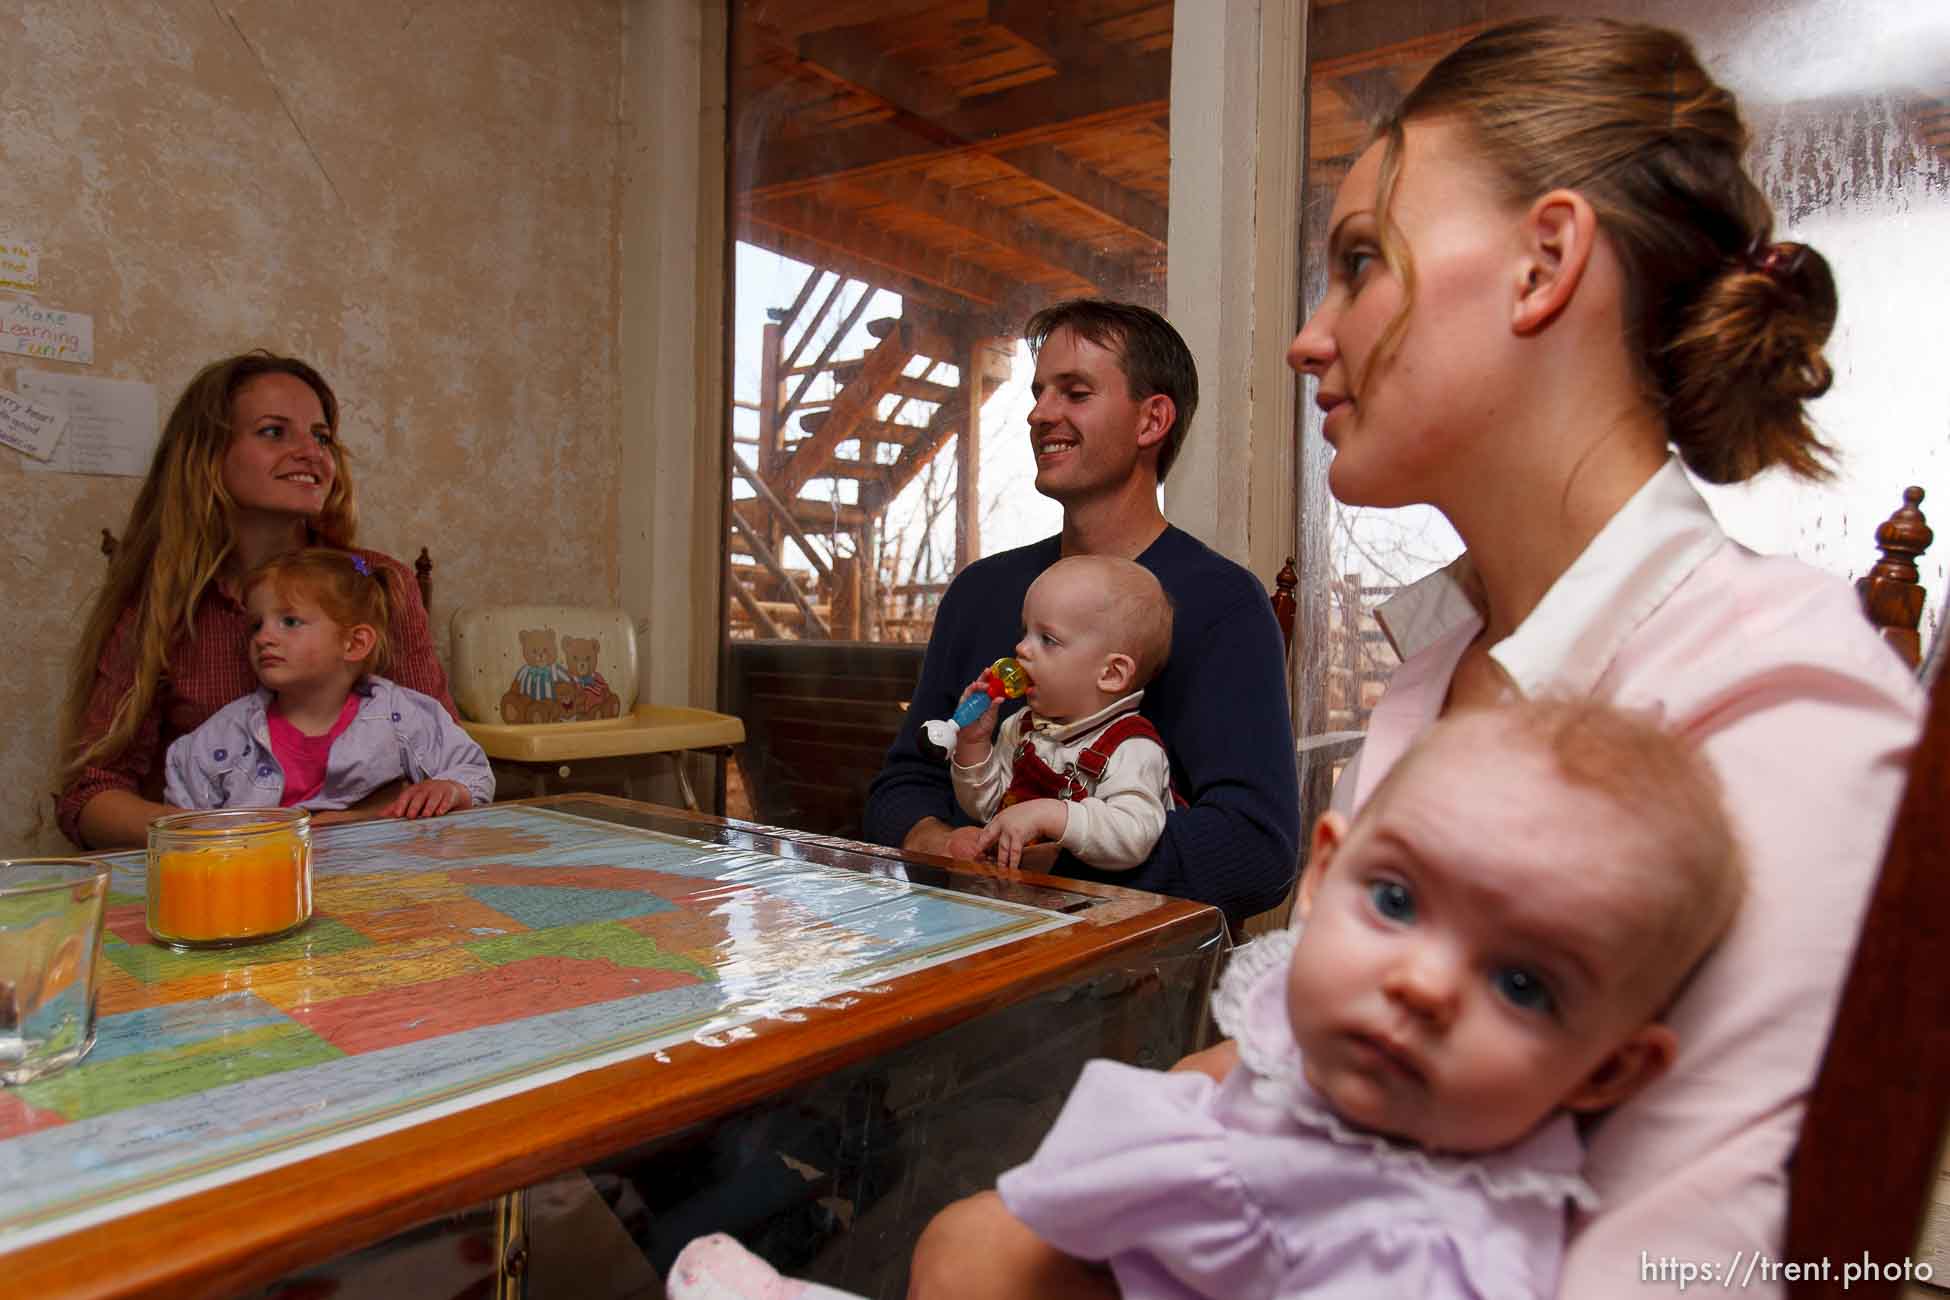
x: 910, y: 180
x: 1846, y: 101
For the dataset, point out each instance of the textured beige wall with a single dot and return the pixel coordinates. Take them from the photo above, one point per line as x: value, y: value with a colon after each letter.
x: 421, y: 198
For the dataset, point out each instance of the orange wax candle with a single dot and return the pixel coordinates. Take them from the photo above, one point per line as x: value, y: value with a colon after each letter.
x: 214, y: 894
x: 217, y: 878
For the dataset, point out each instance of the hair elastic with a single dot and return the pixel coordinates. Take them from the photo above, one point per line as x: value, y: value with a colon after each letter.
x: 1778, y: 262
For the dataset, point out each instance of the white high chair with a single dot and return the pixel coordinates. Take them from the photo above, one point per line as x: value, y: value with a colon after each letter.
x: 550, y: 693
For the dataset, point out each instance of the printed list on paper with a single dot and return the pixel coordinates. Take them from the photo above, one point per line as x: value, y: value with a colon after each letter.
x: 30, y: 427
x: 111, y: 422
x: 20, y: 264
x: 47, y: 334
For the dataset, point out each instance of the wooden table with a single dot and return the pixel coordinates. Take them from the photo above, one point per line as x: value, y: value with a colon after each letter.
x: 1118, y: 944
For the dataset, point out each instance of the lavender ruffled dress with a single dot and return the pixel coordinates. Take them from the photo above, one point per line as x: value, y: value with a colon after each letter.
x: 1253, y: 1189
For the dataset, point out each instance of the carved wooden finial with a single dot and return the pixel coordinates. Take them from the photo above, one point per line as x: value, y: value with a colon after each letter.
x: 1284, y: 604
x: 423, y: 575
x: 1891, y: 594
x: 1903, y: 537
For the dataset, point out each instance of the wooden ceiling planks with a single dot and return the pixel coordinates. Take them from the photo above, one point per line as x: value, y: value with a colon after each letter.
x: 795, y: 18
x: 918, y: 143
x: 981, y: 157
x: 1135, y: 155
x: 980, y: 147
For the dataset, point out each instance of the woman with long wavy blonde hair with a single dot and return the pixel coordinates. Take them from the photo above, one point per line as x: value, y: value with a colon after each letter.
x: 249, y: 466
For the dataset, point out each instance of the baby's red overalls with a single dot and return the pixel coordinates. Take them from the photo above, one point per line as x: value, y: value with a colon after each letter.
x: 1031, y: 778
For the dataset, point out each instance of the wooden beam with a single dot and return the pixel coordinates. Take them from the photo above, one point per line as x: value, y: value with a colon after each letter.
x: 785, y: 22
x: 929, y: 334
x: 859, y: 400
x: 998, y: 360
x: 814, y: 517
x: 819, y: 315
x: 850, y: 57
x: 770, y: 441
x: 924, y: 127
x: 873, y: 430
x: 1052, y: 30
x: 995, y: 374
x: 785, y: 318
x: 760, y: 619
x: 1008, y: 233
x: 968, y: 463
x: 778, y: 511
x: 900, y: 404
x: 821, y: 519
x: 848, y: 236
x: 764, y: 556
x: 944, y: 425
x: 1057, y: 108
x: 763, y: 234
x: 868, y: 550
x: 844, y: 601
x: 860, y: 471
x: 1091, y: 191
x: 919, y: 390
x: 845, y: 328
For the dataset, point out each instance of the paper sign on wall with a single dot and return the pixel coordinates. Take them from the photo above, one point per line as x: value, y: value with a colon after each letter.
x: 111, y: 422
x: 20, y: 264
x: 46, y: 334
x: 30, y: 427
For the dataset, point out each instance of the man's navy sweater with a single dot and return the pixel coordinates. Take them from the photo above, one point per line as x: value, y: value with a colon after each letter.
x: 1220, y: 704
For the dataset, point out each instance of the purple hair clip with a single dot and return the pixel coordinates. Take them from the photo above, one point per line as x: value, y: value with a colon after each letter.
x: 363, y: 565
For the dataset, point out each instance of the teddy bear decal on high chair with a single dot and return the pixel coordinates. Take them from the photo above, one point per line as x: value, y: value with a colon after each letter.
x: 550, y: 692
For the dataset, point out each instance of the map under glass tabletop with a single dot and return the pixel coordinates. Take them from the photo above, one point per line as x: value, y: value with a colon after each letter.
x: 448, y: 963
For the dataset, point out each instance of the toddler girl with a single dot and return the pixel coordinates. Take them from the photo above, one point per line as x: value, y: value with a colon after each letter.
x: 1487, y: 953
x: 323, y: 730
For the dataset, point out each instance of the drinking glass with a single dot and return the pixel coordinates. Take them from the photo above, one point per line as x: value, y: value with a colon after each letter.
x: 50, y: 948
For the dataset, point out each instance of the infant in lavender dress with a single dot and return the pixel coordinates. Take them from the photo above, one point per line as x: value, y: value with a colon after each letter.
x: 1487, y: 952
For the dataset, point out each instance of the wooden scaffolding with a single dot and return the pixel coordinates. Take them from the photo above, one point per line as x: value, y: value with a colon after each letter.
x: 979, y: 159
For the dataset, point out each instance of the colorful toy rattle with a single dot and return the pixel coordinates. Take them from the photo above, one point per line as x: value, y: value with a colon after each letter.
x: 1002, y: 680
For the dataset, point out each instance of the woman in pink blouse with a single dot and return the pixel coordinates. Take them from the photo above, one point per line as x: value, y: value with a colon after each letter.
x: 249, y: 466
x: 1551, y: 285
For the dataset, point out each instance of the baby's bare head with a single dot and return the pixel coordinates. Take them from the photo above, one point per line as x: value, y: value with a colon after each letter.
x: 1122, y: 600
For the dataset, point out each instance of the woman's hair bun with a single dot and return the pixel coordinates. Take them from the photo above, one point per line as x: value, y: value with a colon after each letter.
x: 1748, y: 355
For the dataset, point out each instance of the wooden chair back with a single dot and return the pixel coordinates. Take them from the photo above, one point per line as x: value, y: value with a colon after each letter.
x: 423, y: 579
x: 1870, y: 1140
x: 1285, y: 603
x: 1891, y: 593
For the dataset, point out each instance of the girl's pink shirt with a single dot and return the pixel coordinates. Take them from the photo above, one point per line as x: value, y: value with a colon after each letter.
x: 1808, y: 718
x: 303, y: 757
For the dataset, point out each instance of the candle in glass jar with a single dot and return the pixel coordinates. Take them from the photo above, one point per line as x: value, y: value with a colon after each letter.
x: 229, y: 877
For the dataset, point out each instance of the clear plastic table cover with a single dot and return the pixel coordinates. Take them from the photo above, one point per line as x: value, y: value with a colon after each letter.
x: 466, y: 958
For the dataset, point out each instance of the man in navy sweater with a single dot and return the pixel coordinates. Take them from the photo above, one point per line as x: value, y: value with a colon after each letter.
x: 1115, y: 391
